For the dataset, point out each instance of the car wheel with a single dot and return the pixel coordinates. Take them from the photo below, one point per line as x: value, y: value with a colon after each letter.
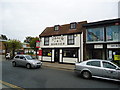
x: 13, y: 64
x: 28, y: 66
x: 86, y: 74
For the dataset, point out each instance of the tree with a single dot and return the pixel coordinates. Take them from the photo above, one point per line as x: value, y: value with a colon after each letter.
x: 3, y: 37
x: 33, y: 44
x: 28, y: 39
x: 7, y: 46
x: 14, y: 45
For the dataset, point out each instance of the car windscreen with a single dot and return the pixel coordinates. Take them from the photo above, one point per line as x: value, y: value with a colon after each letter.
x: 29, y: 57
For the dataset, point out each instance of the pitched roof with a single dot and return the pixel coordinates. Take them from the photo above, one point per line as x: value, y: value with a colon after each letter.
x: 63, y: 29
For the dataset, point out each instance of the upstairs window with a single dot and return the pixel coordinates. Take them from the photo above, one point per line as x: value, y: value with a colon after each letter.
x: 56, y: 27
x: 73, y: 26
x: 46, y: 41
x: 95, y: 34
x: 70, y: 39
x: 112, y: 33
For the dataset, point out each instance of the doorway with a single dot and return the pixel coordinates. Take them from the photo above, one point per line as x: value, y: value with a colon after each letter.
x: 97, y: 54
x: 56, y: 55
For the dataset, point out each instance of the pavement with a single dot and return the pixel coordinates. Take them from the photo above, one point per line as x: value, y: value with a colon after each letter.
x: 59, y: 66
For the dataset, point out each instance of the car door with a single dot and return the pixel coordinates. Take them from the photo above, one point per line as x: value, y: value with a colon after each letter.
x: 17, y: 60
x: 22, y: 61
x: 94, y: 67
x: 109, y: 70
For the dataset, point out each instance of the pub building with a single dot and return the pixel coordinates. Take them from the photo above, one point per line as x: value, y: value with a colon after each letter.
x: 103, y: 40
x: 62, y: 43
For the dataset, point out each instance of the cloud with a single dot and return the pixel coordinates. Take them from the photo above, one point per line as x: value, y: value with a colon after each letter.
x: 22, y: 18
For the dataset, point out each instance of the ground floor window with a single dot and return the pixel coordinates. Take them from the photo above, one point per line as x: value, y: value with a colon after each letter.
x: 114, y: 55
x: 47, y: 52
x: 70, y: 53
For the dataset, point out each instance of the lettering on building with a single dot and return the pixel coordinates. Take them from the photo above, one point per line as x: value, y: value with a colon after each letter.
x: 58, y: 40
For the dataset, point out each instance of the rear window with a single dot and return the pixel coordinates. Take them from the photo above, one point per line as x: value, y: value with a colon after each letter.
x: 94, y: 63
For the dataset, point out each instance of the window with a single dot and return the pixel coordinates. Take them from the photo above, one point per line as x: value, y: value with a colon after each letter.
x: 70, y: 53
x: 17, y: 57
x: 56, y: 27
x: 94, y: 63
x: 47, y: 52
x: 22, y: 57
x: 73, y: 26
x: 108, y: 65
x: 46, y: 41
x: 29, y: 57
x: 112, y: 33
x: 70, y: 39
x: 95, y: 34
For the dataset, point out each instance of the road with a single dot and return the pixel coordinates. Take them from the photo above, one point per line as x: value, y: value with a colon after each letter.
x: 46, y: 77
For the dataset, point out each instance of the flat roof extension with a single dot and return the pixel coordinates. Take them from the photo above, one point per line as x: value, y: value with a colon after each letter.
x: 110, y: 21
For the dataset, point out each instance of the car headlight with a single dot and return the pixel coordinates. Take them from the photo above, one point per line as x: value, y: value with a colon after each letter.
x: 34, y: 63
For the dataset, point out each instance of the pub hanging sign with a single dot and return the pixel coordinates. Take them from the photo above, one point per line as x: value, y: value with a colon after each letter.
x: 37, y: 44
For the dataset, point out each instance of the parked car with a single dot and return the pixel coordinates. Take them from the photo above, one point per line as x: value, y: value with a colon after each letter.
x: 27, y: 61
x: 99, y: 69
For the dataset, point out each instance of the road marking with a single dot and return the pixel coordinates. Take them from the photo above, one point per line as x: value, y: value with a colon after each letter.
x: 11, y: 85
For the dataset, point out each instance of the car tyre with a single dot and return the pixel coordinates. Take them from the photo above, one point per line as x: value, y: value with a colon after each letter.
x: 14, y: 64
x: 28, y: 66
x: 86, y: 74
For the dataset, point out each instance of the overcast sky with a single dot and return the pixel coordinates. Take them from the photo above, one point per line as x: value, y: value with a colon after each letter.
x: 22, y: 18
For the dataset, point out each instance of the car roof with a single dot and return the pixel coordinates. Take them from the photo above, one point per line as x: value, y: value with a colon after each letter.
x: 22, y: 55
x: 97, y: 60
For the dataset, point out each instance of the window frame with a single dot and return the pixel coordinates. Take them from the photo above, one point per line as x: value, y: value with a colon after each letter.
x: 22, y: 57
x: 94, y: 29
x: 91, y: 62
x: 70, y: 39
x: 17, y: 56
x: 44, y: 53
x: 108, y: 33
x: 108, y: 67
x: 73, y: 25
x: 56, y: 28
x: 69, y: 49
x: 46, y: 42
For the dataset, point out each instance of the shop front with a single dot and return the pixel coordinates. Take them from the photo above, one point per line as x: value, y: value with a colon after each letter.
x: 61, y: 55
x: 113, y: 52
x: 103, y: 40
x: 62, y: 44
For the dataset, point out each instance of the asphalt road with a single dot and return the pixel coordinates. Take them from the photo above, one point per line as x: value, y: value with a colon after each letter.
x: 46, y: 77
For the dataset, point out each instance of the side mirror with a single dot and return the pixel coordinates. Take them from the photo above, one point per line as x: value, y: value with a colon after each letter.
x: 118, y: 68
x: 24, y: 58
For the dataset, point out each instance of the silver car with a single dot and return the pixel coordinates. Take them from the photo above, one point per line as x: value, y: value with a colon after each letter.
x: 99, y: 69
x: 27, y: 61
